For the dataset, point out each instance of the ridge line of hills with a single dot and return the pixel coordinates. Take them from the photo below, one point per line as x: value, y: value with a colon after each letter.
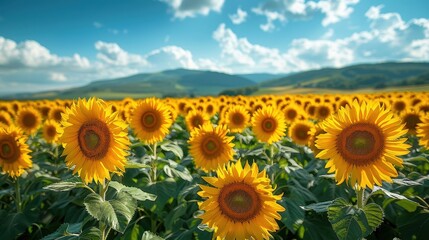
x: 184, y: 82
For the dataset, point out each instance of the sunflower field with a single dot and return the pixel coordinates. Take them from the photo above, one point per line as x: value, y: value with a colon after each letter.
x: 243, y: 167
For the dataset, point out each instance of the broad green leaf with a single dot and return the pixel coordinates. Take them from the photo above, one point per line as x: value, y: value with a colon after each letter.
x: 173, y: 147
x: 135, y: 193
x: 374, y: 215
x: 319, y: 207
x: 115, y: 213
x: 350, y: 222
x: 14, y: 224
x: 293, y: 216
x: 151, y: 236
x: 401, y: 200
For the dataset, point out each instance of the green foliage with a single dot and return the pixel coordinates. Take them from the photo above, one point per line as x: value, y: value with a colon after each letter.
x: 350, y: 222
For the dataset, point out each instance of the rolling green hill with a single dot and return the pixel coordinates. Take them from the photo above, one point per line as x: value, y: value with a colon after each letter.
x: 358, y: 76
x: 363, y: 77
x: 178, y: 82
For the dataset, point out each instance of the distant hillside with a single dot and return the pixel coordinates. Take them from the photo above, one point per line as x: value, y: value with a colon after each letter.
x: 179, y: 82
x: 262, y: 77
x: 357, y: 77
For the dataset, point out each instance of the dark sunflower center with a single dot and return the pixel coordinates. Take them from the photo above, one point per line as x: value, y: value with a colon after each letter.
x: 411, y: 121
x: 9, y: 150
x: 302, y: 132
x: 57, y: 115
x: 94, y: 139
x: 150, y: 121
x: 210, y: 109
x: 51, y: 131
x: 3, y: 120
x: 197, y: 121
x: 268, y: 125
x: 237, y: 118
x: 239, y: 202
x: 360, y: 143
x: 323, y: 112
x: 291, y: 114
x: 211, y: 146
x: 399, y: 106
x: 29, y: 120
x: 311, y: 110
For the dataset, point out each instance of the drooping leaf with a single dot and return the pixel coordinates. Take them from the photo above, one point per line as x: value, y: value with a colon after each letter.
x: 293, y: 215
x: 66, y: 231
x: 172, y: 147
x: 399, y: 199
x: 319, y: 207
x: 135, y: 193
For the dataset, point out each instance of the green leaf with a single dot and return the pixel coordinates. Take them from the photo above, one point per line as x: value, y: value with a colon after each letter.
x: 319, y: 207
x: 401, y: 200
x: 137, y: 165
x: 66, y: 231
x: 174, y: 169
x: 135, y: 193
x: 115, y: 213
x: 350, y: 222
x: 63, y: 186
x: 151, y: 236
x: 13, y: 224
x: 172, y: 147
x: 374, y: 215
x: 293, y: 216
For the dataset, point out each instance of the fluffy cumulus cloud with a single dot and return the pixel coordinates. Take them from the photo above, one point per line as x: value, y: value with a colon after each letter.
x: 389, y: 38
x: 192, y: 8
x: 239, y: 17
x: 280, y: 10
x: 170, y: 57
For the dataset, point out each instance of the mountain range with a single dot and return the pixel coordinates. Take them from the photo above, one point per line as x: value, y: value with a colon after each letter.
x: 184, y: 82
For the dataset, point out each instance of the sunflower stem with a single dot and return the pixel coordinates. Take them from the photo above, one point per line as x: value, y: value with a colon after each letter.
x: 102, y: 189
x: 18, y: 196
x: 154, y: 162
x: 359, y: 195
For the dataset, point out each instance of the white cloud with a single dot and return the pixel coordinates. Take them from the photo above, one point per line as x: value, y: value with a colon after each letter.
x: 112, y: 54
x: 57, y: 77
x: 190, y: 8
x: 281, y: 10
x: 169, y: 57
x: 239, y: 17
x: 334, y: 10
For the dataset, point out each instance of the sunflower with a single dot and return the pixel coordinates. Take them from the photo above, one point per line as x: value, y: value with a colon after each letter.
x: 315, y: 132
x: 50, y: 131
x: 28, y: 119
x: 268, y: 124
x: 94, y: 139
x: 14, y: 152
x: 362, y: 142
x: 55, y: 113
x: 423, y: 131
x: 240, y: 204
x: 292, y: 112
x: 299, y: 131
x: 323, y: 111
x: 411, y: 118
x: 5, y: 118
x: 151, y: 120
x: 195, y: 118
x: 210, y: 146
x: 237, y: 118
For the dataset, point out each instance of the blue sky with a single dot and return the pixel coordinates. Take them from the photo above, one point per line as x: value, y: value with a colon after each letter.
x: 58, y: 44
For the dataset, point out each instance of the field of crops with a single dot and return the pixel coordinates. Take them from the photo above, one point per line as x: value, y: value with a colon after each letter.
x: 281, y: 167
